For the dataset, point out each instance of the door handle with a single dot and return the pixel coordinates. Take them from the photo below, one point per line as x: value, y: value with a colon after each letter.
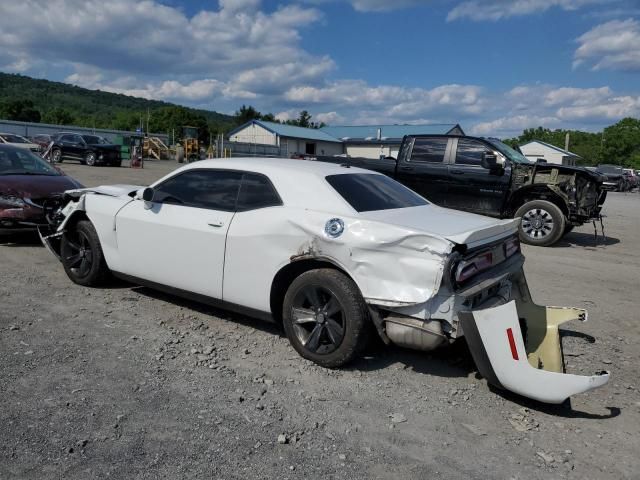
x: 457, y: 172
x: 216, y: 224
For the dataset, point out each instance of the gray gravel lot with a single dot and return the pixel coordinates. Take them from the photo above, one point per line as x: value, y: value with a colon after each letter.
x: 126, y: 382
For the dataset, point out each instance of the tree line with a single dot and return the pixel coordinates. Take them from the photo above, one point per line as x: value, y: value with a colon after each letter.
x: 616, y: 144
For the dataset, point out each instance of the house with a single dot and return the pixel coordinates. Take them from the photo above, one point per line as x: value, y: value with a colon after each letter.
x: 291, y: 140
x: 375, y: 141
x: 536, y: 150
x: 369, y: 141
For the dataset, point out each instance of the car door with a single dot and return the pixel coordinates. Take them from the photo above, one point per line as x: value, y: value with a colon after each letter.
x: 425, y: 170
x: 178, y: 239
x: 472, y: 187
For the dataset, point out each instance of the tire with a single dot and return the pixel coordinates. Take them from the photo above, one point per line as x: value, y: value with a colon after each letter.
x: 542, y: 224
x: 90, y: 159
x: 56, y: 155
x: 325, y: 317
x: 82, y: 256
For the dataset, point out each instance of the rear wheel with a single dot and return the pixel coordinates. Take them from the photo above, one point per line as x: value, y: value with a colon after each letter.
x: 325, y: 317
x: 82, y: 256
x: 542, y: 223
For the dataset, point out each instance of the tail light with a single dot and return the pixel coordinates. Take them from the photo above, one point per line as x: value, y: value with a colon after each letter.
x: 511, y: 247
x: 472, y: 266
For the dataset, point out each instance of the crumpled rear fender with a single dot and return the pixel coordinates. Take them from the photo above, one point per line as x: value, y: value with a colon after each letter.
x: 533, y: 368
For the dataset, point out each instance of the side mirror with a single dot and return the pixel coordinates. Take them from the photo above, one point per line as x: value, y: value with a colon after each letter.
x: 147, y: 194
x: 491, y: 161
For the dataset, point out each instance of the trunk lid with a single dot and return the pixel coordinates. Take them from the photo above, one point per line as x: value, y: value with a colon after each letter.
x: 456, y: 226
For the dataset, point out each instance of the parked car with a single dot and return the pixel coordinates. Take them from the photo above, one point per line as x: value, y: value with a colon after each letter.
x: 486, y: 176
x: 18, y: 141
x: 631, y: 177
x: 43, y: 140
x: 30, y: 189
x: 361, y: 253
x: 616, y: 180
x: 91, y: 150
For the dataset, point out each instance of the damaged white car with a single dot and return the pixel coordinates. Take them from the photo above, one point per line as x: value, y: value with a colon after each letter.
x: 332, y: 252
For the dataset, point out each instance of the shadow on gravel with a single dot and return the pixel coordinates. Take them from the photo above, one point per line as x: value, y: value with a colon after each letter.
x: 579, y: 239
x: 265, y: 326
x: 20, y: 239
x: 452, y: 361
x: 563, y: 410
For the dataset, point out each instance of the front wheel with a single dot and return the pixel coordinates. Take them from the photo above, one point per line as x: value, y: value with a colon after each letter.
x: 82, y: 256
x: 325, y: 317
x: 542, y: 224
x: 56, y: 155
x: 90, y: 159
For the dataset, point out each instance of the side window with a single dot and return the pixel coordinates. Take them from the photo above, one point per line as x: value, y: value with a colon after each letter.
x: 429, y: 150
x: 470, y: 152
x: 256, y: 191
x: 210, y: 189
x: 77, y: 139
x: 66, y: 138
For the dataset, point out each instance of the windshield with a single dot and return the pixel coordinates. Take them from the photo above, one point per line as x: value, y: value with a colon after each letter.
x: 13, y: 138
x: 367, y: 192
x: 610, y: 169
x: 94, y: 140
x: 16, y: 161
x: 509, y: 152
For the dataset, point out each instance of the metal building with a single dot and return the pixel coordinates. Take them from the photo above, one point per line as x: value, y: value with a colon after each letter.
x: 537, y: 150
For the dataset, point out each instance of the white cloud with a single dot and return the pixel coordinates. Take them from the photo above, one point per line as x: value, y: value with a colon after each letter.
x: 508, y: 126
x: 330, y: 118
x: 153, y: 41
x: 613, y: 45
x: 493, y: 10
x: 384, y: 5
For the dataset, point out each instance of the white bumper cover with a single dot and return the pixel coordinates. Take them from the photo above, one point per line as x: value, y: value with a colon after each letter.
x: 533, y: 368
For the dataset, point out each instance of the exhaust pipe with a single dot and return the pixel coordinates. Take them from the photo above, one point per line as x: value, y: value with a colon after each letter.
x: 414, y: 333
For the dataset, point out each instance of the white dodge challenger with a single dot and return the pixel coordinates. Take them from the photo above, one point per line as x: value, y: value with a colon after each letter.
x: 333, y: 253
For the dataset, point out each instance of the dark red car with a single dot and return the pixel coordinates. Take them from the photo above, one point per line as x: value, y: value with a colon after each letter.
x: 30, y: 189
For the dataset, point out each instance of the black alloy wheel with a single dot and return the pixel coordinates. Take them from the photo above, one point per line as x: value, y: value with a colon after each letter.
x: 325, y: 317
x: 318, y: 319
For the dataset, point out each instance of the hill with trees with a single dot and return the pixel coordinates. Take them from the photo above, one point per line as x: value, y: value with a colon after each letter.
x: 33, y: 100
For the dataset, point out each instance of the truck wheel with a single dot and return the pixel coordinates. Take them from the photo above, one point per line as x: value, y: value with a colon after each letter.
x: 90, y: 159
x: 82, y: 256
x: 325, y: 317
x: 542, y: 223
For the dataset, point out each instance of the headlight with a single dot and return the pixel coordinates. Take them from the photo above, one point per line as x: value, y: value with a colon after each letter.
x: 8, y: 201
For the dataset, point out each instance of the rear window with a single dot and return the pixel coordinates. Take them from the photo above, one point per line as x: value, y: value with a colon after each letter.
x: 369, y: 192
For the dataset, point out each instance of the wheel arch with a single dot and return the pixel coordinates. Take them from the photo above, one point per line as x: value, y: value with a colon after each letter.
x: 288, y: 273
x: 536, y: 192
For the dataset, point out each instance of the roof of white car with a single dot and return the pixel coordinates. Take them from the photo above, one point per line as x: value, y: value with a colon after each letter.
x: 300, y: 183
x: 269, y: 165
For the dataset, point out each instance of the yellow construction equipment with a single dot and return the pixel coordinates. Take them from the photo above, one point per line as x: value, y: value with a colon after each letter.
x: 156, y: 148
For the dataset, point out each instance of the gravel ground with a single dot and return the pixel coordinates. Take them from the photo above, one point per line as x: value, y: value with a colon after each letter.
x: 127, y: 382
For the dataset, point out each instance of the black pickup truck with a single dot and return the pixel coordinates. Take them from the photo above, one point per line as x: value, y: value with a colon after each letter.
x: 486, y: 176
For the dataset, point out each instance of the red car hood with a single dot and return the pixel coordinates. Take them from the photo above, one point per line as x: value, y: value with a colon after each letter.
x: 36, y: 186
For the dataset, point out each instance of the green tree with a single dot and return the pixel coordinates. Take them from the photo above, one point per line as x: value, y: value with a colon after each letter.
x: 621, y: 142
x: 58, y: 116
x: 20, y: 110
x: 246, y: 114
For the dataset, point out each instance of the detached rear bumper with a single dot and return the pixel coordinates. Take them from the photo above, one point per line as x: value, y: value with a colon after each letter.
x: 531, y: 365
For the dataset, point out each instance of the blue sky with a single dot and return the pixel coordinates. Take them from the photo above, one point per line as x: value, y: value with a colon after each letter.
x: 494, y: 66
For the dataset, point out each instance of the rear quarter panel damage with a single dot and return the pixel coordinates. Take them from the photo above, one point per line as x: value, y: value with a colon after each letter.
x: 391, y: 265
